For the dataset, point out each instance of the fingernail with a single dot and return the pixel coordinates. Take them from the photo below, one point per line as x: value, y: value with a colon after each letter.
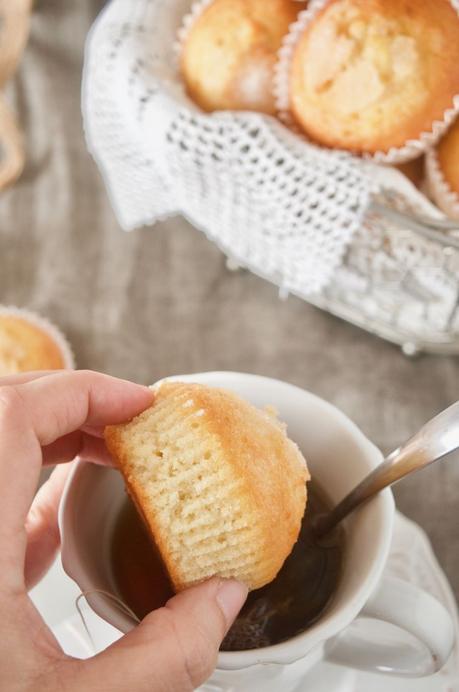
x: 144, y: 389
x: 231, y: 595
x: 135, y: 386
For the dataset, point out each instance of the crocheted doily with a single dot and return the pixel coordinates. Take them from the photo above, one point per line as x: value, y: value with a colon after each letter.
x: 284, y: 208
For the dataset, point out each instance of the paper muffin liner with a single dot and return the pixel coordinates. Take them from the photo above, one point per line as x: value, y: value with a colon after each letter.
x: 48, y: 327
x: 438, y: 188
x: 410, y: 150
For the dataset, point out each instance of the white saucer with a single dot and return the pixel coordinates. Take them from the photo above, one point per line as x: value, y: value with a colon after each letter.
x: 411, y: 558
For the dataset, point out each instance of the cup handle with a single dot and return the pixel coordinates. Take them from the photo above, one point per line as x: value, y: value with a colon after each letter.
x: 402, y: 630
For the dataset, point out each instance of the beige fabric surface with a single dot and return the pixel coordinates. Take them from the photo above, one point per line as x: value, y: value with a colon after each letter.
x: 159, y: 301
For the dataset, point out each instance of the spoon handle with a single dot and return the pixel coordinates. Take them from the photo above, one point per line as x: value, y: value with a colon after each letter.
x: 435, y: 439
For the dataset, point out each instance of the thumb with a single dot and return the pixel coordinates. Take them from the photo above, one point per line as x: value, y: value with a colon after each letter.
x: 175, y: 647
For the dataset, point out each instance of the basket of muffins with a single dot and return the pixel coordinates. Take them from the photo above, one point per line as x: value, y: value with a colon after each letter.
x: 373, y: 84
x: 380, y: 79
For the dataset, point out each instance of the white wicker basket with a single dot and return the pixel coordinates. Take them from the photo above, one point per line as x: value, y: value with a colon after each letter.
x: 300, y: 216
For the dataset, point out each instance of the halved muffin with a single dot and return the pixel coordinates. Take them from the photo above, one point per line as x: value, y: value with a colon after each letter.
x: 221, y: 488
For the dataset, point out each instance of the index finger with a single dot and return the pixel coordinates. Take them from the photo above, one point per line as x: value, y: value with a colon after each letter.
x: 39, y: 412
x: 23, y: 377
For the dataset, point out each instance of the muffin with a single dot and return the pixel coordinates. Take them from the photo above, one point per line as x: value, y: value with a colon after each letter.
x: 220, y: 487
x: 14, y: 23
x: 229, y: 53
x: 14, y: 27
x: 11, y: 147
x: 443, y: 172
x: 29, y: 343
x: 372, y: 75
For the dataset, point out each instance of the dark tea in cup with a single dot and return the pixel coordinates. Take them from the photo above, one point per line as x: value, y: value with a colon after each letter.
x: 290, y: 604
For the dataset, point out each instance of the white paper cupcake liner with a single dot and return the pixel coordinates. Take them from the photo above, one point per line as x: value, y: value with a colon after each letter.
x: 48, y: 327
x: 438, y: 188
x: 410, y: 150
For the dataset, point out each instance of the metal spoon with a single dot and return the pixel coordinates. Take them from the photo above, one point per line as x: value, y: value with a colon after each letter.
x: 438, y: 437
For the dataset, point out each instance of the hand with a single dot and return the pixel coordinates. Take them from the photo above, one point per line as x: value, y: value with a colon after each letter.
x: 49, y: 418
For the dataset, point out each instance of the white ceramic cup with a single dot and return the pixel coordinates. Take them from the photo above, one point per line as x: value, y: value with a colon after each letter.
x: 383, y: 625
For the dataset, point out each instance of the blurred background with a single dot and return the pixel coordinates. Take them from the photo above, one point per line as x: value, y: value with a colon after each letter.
x: 160, y: 300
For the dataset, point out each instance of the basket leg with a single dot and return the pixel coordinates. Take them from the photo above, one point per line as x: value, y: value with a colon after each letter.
x: 283, y: 293
x: 232, y: 265
x: 410, y: 349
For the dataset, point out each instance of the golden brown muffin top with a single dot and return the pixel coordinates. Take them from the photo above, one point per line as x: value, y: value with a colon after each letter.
x: 448, y: 156
x: 371, y: 74
x: 24, y: 346
x: 230, y: 51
